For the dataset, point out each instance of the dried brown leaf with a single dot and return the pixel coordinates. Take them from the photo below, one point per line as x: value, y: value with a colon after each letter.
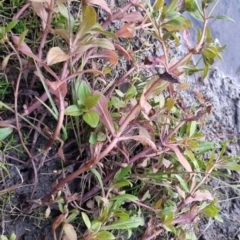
x: 100, y: 3
x: 181, y: 192
x: 126, y: 31
x: 124, y: 52
x: 58, y: 220
x: 24, y: 48
x: 5, y: 61
x: 109, y: 55
x: 187, y: 218
x: 199, y: 97
x: 132, y: 17
x: 199, y: 196
x: 183, y: 86
x: 141, y: 139
x: 102, y: 109
x: 62, y: 33
x: 40, y: 10
x: 144, y: 132
x: 69, y: 231
x: 57, y: 85
x: 181, y: 158
x: 56, y: 55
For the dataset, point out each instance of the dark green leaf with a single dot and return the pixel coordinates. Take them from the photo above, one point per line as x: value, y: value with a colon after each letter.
x: 205, y: 71
x: 89, y: 20
x: 11, y: 25
x: 225, y: 17
x: 121, y: 183
x: 122, y: 173
x: 91, y: 101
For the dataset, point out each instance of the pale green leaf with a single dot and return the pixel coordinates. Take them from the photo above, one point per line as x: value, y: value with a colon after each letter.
x: 96, y: 225
x: 86, y: 220
x: 105, y: 235
x: 124, y: 197
x: 5, y: 132
x: 99, y: 178
x: 82, y: 91
x: 13, y: 236
x: 11, y: 25
x: 73, y: 110
x: 91, y: 118
x: 133, y: 222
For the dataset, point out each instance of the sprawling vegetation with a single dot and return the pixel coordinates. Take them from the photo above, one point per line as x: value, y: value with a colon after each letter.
x: 105, y: 77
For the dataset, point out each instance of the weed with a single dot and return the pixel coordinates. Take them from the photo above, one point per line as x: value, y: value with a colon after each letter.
x: 145, y: 159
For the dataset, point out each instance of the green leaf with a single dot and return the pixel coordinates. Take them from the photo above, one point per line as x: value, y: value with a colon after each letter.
x: 65, y: 13
x: 209, y: 52
x: 169, y: 103
x: 72, y: 216
x: 182, y: 182
x: 98, y: 29
x: 11, y: 25
x: 96, y: 225
x: 5, y: 132
x: 158, y: 4
x: 191, y: 128
x: 105, y: 235
x: 101, y: 42
x: 205, y: 71
x: 91, y: 118
x: 132, y: 222
x: 225, y: 17
x: 122, y: 173
x: 73, y: 110
x: 121, y: 183
x: 91, y: 101
x: 205, y: 146
x: 211, y: 210
x: 83, y: 91
x: 131, y: 92
x: 117, y: 103
x: 218, y: 218
x: 193, y: 8
x: 2, y: 237
x: 121, y: 214
x: 101, y: 137
x: 89, y: 20
x: 13, y: 236
x: 173, y: 5
x: 86, y: 220
x: 2, y: 165
x: 93, y: 138
x: 124, y: 197
x: 98, y: 176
